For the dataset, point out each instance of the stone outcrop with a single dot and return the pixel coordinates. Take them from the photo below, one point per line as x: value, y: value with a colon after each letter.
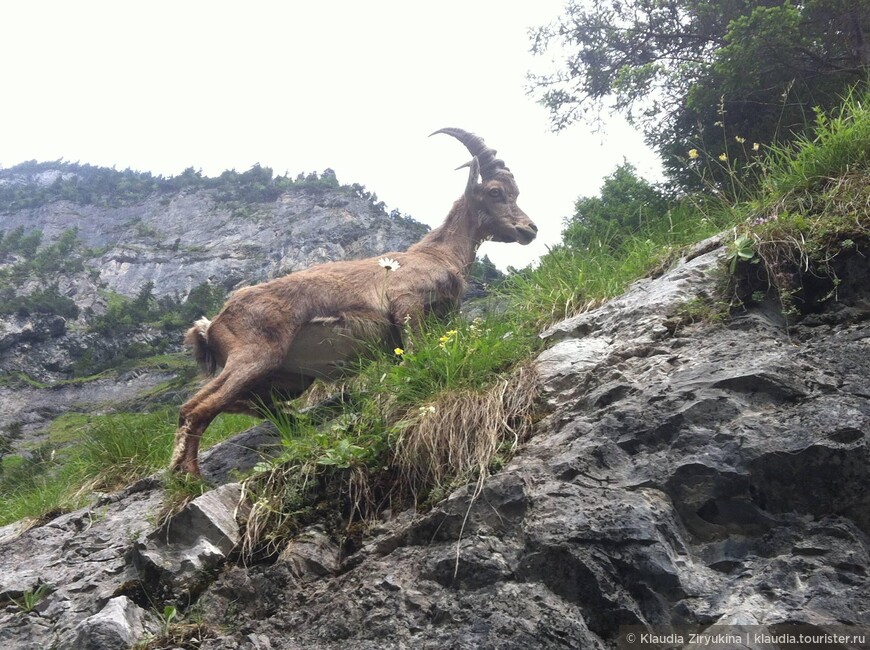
x: 686, y: 474
x: 176, y: 561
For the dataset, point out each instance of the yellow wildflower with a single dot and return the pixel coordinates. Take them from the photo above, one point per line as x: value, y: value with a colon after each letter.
x: 756, y: 146
x: 723, y: 157
x: 693, y: 153
x: 398, y: 352
x: 739, y: 139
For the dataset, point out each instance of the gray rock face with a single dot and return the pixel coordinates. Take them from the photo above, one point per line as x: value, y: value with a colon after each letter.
x: 697, y: 476
x: 118, y: 625
x: 176, y: 561
x: 686, y: 475
x: 84, y: 557
x: 179, y: 241
x: 108, y: 565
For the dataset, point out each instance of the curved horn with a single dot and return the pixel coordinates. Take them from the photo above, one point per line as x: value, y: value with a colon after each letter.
x: 489, y: 164
x: 473, y: 172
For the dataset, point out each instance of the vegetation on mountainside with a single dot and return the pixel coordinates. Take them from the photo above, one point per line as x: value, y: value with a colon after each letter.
x: 693, y: 74
x: 100, y: 186
x: 454, y: 403
x: 88, y: 453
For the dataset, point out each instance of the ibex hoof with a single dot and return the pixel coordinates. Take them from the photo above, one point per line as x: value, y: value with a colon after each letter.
x: 185, y: 468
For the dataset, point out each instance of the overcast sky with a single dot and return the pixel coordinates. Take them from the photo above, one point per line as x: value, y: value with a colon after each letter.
x: 356, y: 86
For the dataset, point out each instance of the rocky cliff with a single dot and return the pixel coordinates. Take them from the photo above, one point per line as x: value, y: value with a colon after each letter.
x: 687, y: 474
x: 79, y: 243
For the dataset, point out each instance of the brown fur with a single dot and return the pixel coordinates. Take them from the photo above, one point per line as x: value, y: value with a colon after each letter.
x: 339, y: 308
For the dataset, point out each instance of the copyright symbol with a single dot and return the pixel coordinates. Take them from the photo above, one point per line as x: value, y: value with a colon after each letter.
x: 630, y: 637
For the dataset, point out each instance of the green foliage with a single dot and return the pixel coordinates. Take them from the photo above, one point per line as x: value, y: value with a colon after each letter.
x: 802, y: 210
x: 30, y: 599
x: 126, y: 315
x: 169, y: 614
x: 698, y: 74
x: 626, y: 205
x: 485, y: 272
x: 451, y: 387
x: 810, y: 214
x: 742, y: 250
x: 47, y: 300
x: 46, y: 263
x: 64, y: 256
x: 838, y: 144
x: 598, y: 263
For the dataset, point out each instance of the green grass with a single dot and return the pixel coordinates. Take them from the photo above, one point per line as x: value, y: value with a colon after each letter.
x: 570, y: 280
x: 837, y: 147
x: 95, y: 453
x: 443, y: 410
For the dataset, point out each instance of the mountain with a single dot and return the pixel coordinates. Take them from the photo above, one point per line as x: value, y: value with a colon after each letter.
x: 101, y: 271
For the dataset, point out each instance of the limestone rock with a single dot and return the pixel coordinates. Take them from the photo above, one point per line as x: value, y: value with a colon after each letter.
x: 706, y: 474
x: 83, y: 556
x: 178, y: 559
x: 118, y: 625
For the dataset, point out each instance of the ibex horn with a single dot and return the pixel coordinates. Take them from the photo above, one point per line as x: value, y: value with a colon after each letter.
x: 489, y: 164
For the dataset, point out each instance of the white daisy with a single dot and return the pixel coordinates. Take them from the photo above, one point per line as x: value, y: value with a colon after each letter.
x: 389, y: 264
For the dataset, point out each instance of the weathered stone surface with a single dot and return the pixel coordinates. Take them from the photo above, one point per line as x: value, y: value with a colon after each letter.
x: 118, y: 625
x: 87, y: 557
x: 176, y: 561
x: 222, y: 463
x: 181, y: 240
x: 83, y: 556
x: 706, y: 475
x: 311, y: 555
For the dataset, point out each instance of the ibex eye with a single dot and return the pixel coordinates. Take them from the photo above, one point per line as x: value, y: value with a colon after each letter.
x: 495, y: 192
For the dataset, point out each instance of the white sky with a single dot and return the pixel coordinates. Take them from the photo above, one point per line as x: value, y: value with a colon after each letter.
x: 356, y: 86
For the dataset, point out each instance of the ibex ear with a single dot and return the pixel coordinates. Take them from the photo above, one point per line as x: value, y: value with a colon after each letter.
x: 473, y: 172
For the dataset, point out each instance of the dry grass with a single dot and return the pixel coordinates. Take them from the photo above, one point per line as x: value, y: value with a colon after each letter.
x: 461, y: 434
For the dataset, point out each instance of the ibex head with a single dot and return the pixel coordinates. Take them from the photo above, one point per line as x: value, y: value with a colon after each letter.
x: 494, y: 197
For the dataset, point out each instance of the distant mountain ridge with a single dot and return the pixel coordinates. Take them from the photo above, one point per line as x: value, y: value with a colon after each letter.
x: 182, y: 231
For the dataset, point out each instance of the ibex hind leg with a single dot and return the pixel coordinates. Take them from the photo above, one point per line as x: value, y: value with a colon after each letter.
x: 232, y: 386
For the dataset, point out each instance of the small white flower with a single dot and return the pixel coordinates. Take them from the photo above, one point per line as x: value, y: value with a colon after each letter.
x: 389, y: 264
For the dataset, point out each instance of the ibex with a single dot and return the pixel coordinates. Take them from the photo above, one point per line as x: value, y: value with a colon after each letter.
x: 276, y: 338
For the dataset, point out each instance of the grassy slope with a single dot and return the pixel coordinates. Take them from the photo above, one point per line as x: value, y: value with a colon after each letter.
x: 457, y: 402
